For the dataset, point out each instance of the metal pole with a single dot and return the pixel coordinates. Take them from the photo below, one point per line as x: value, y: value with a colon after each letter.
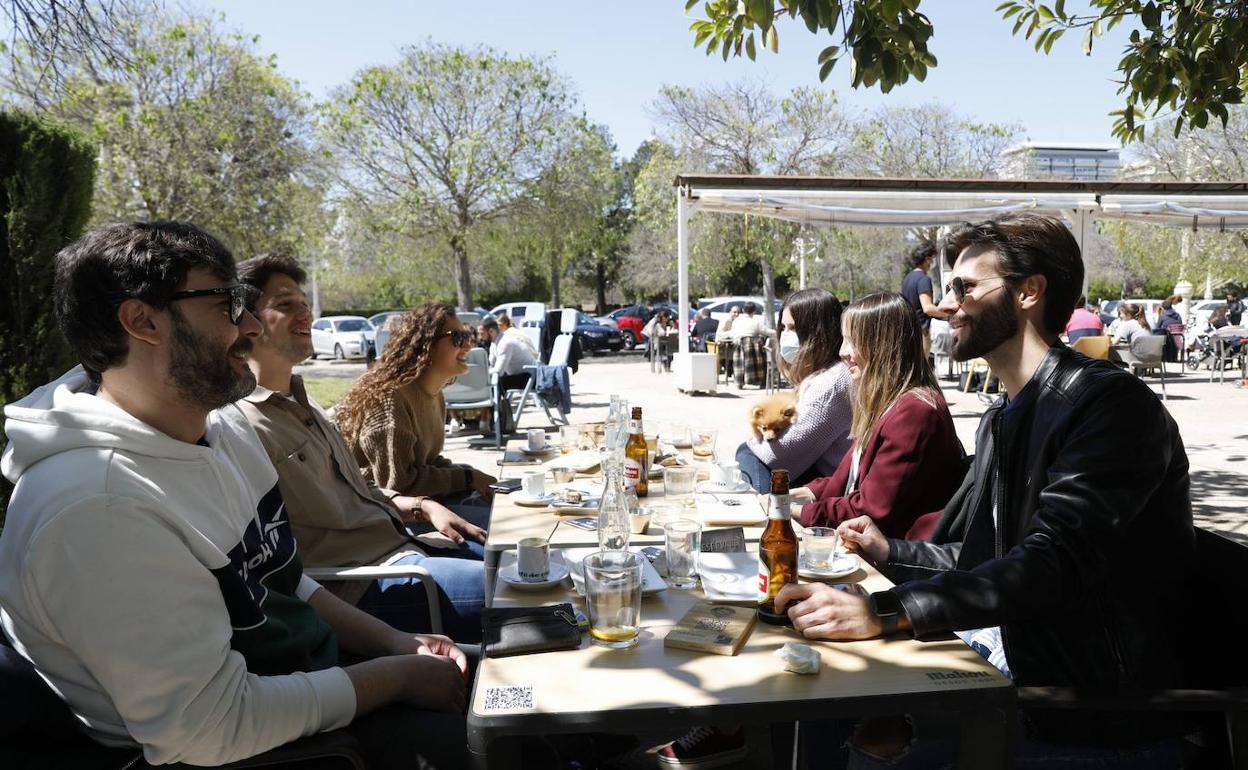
x: 682, y: 265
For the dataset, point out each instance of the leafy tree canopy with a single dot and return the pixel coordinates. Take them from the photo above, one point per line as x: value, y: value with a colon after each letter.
x: 1185, y: 59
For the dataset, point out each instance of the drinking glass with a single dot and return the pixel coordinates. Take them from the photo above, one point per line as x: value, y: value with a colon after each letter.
x: 678, y: 485
x: 613, y: 597
x: 819, y: 544
x: 569, y: 438
x: 684, y: 540
x: 704, y: 442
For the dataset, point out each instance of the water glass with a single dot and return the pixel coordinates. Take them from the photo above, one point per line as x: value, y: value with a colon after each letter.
x: 684, y: 541
x: 569, y: 438
x: 704, y: 442
x: 819, y: 544
x: 678, y: 485
x: 613, y: 597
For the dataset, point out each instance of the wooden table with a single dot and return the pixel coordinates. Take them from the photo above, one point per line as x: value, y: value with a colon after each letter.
x: 594, y: 689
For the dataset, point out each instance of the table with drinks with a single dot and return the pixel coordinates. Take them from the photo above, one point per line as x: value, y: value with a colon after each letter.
x: 623, y: 678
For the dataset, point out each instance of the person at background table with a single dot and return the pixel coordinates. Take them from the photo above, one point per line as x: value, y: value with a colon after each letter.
x: 916, y: 287
x: 748, y: 325
x: 704, y: 328
x: 1131, y: 323
x: 905, y: 460
x: 1046, y: 578
x: 394, y: 416
x: 511, y: 351
x: 661, y: 334
x: 1168, y: 315
x: 810, y: 345
x: 338, y: 519
x: 1083, y: 322
x: 1234, y: 308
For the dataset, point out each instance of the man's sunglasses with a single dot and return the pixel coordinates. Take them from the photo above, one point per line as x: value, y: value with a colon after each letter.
x: 242, y: 297
x: 460, y: 339
x: 959, y: 289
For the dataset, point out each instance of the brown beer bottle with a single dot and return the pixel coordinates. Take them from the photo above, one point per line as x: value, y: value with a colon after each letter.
x: 636, y: 456
x: 777, y: 551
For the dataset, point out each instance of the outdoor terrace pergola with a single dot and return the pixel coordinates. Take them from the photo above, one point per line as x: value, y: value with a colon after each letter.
x: 832, y: 201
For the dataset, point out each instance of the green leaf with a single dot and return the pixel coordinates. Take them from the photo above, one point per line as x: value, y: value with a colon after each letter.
x: 1044, y: 13
x: 830, y: 52
x: 689, y: 5
x: 1087, y: 43
x: 826, y: 69
x: 749, y: 46
x: 773, y: 39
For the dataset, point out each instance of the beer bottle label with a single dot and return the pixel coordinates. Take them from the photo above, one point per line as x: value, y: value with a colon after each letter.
x: 780, y: 507
x: 632, y: 472
x: 764, y: 581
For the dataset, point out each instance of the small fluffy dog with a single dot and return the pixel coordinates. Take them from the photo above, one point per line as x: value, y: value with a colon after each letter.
x: 772, y: 416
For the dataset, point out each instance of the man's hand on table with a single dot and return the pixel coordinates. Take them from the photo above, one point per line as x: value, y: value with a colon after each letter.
x: 861, y: 536
x: 819, y: 611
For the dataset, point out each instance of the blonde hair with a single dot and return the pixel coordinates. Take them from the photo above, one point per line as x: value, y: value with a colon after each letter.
x: 888, y: 339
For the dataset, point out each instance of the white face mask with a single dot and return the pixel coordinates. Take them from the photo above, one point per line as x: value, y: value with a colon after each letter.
x: 789, y: 345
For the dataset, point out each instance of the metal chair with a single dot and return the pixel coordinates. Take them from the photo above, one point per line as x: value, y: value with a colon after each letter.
x: 1147, y: 352
x: 393, y: 571
x: 558, y: 357
x: 1222, y: 340
x: 474, y: 389
x: 1096, y: 346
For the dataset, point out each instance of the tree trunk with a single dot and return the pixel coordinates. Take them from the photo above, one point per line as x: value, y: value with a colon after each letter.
x: 554, y: 282
x: 769, y: 294
x: 463, y: 278
x: 600, y: 284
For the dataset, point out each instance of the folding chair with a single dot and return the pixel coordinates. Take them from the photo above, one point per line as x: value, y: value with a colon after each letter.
x: 558, y: 357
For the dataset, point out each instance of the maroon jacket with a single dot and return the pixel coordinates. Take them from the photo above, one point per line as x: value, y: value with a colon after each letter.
x: 910, y: 466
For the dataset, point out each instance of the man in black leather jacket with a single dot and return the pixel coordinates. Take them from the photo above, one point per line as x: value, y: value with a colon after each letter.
x: 1074, y: 547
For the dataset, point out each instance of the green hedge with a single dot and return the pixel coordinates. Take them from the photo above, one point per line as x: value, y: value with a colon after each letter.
x: 47, y: 174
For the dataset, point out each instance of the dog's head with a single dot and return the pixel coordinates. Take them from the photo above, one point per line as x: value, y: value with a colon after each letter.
x: 771, y: 417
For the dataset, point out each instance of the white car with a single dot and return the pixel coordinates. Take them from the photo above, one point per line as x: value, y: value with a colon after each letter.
x: 342, y: 336
x: 520, y: 312
x: 1202, y: 309
x: 721, y: 307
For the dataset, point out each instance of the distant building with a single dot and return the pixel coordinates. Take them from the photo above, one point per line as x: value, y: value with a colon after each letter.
x: 1056, y: 160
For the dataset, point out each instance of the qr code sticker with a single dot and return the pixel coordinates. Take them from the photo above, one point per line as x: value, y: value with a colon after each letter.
x: 507, y: 698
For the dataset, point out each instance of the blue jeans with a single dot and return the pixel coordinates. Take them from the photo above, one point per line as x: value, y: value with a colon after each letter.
x: 756, y: 473
x: 460, y: 575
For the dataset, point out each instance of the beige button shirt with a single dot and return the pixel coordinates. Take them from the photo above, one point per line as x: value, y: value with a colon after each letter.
x: 338, y: 519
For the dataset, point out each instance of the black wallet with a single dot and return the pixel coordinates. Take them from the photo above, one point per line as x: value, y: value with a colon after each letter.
x: 521, y: 630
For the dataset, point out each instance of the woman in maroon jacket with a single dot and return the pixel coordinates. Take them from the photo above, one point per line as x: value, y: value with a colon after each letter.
x: 905, y: 460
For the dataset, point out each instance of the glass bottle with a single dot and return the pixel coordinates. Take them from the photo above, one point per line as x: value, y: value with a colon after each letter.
x: 613, y: 523
x: 777, y: 551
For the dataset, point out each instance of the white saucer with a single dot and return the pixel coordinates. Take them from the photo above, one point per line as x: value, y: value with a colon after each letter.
x: 520, y: 498
x: 543, y: 451
x: 588, y: 504
x: 842, y: 564
x: 719, y: 487
x: 511, y: 577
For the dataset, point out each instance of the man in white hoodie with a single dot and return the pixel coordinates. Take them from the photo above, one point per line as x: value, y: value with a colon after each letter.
x: 147, y: 566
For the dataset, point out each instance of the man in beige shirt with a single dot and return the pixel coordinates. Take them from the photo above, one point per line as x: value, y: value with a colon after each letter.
x: 337, y: 517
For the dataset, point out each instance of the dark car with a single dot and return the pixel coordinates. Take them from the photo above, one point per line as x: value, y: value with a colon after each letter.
x: 632, y: 319
x: 595, y: 337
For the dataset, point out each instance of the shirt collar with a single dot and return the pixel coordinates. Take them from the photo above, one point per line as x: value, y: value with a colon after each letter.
x: 262, y: 394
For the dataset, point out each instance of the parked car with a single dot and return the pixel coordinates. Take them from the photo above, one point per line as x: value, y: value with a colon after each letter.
x: 631, y: 320
x: 520, y: 312
x: 1202, y: 309
x: 342, y: 336
x: 596, y: 337
x: 721, y: 306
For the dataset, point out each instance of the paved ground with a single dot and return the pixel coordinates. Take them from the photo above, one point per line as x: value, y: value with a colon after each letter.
x: 1213, y: 418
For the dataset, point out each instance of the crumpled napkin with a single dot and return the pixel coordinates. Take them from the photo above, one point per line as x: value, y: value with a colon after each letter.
x: 799, y: 658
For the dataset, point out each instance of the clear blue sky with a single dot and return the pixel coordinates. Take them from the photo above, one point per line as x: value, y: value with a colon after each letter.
x: 618, y: 54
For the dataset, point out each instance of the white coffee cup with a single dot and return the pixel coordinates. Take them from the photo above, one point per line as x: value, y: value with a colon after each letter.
x: 533, y: 559
x: 726, y: 473
x: 534, y: 484
x: 537, y: 439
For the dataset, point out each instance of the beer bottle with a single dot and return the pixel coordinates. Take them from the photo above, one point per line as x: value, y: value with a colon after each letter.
x: 777, y: 551
x: 636, y: 456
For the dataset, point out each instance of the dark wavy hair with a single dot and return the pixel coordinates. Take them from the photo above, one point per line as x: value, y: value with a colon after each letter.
x: 1027, y: 245
x: 404, y: 360
x: 147, y: 261
x: 817, y: 321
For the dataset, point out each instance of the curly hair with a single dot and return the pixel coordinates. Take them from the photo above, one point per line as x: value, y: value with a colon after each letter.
x: 404, y: 360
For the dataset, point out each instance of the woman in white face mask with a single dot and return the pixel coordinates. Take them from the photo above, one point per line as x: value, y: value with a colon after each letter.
x: 810, y: 344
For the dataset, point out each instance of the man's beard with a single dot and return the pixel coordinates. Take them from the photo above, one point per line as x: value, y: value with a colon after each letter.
x: 981, y: 335
x: 202, y: 372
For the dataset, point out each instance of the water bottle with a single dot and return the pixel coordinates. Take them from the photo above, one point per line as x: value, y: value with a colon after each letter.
x: 613, y: 523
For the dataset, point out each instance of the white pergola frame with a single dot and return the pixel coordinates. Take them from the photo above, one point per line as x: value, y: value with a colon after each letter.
x: 831, y: 201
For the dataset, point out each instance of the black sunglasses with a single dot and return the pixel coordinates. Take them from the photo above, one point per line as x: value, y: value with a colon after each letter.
x: 242, y: 297
x: 460, y: 339
x: 959, y: 289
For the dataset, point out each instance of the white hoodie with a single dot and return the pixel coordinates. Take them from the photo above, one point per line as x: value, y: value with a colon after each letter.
x: 121, y: 551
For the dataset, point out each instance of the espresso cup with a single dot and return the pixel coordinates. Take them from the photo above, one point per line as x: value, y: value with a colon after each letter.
x: 727, y: 473
x: 533, y: 559
x: 534, y: 484
x: 537, y: 439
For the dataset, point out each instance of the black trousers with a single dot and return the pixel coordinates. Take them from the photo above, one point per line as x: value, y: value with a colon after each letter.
x: 502, y: 410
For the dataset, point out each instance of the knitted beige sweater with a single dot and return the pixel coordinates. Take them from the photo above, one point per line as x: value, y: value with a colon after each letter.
x: 399, y: 446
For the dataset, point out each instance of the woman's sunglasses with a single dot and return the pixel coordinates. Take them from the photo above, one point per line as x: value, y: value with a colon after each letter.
x: 242, y: 297
x: 460, y: 339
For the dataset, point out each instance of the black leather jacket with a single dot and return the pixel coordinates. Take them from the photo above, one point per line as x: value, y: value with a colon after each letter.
x: 1086, y: 574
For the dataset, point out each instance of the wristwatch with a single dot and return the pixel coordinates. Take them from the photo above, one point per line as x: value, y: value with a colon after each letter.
x: 887, y: 606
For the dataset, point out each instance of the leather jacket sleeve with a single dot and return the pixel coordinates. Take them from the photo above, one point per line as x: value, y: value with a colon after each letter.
x: 1093, y: 490
x: 918, y: 559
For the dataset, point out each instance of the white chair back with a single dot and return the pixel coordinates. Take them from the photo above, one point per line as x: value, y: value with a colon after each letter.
x: 1148, y: 348
x: 474, y: 385
x: 559, y: 352
x: 567, y: 321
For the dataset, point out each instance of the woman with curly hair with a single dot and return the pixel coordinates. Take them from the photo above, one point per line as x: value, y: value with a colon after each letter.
x: 393, y: 418
x: 905, y: 460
